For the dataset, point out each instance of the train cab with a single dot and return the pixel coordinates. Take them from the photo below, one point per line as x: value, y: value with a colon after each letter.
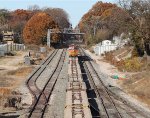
x: 73, y: 50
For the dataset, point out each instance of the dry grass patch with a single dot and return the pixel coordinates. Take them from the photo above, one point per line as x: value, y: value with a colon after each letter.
x: 4, y: 93
x: 6, y: 87
x: 130, y: 65
x: 109, y: 56
x: 8, y: 84
x: 6, y: 81
x: 138, y: 85
x: 23, y: 71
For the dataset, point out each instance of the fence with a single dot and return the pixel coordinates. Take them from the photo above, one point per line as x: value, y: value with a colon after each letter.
x: 5, y: 48
x: 101, y: 49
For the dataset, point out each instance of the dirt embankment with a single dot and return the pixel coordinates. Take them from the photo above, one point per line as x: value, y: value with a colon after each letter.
x: 137, y: 70
x: 13, y: 73
x: 132, y: 74
x: 138, y: 86
x: 14, y: 94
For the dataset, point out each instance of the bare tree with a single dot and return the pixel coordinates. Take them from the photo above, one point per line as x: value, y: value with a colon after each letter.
x: 34, y: 8
x: 59, y: 15
x: 139, y: 11
x: 4, y: 17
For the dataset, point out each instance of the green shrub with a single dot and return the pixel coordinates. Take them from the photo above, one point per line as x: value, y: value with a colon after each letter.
x: 132, y: 64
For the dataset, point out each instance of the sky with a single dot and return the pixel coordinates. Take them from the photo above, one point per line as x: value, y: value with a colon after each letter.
x: 75, y: 8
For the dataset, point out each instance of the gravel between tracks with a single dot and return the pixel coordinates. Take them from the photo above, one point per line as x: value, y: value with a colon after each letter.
x: 41, y: 81
x: 58, y: 98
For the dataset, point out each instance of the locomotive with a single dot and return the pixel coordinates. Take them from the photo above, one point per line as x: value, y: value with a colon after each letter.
x: 73, y: 50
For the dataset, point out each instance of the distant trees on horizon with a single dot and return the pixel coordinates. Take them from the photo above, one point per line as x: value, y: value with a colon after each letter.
x: 16, y: 20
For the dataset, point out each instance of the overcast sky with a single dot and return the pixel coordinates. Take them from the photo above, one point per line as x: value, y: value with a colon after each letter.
x: 75, y: 8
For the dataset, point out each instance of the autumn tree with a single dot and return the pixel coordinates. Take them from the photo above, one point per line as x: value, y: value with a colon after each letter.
x: 93, y: 25
x: 36, y: 28
x: 98, y: 9
x: 18, y: 19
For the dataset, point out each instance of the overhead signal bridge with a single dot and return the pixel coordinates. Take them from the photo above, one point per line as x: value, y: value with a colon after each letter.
x: 64, y: 32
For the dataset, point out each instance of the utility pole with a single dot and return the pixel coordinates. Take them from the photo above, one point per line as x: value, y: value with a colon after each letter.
x: 49, y: 38
x: 94, y: 30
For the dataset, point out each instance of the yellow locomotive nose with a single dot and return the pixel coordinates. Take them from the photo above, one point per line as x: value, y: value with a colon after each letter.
x: 73, y: 53
x: 73, y: 50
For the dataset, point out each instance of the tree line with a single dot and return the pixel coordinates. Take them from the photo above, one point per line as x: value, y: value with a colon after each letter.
x: 105, y: 20
x: 19, y: 21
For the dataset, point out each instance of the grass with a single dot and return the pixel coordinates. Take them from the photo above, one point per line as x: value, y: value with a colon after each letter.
x: 133, y: 64
x: 10, y: 80
x: 6, y: 81
x: 138, y: 85
x: 4, y: 93
x: 10, y: 77
x: 23, y: 71
x: 6, y: 87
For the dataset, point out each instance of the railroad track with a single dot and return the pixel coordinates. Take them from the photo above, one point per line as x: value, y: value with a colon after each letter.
x: 110, y: 107
x: 41, y: 97
x: 75, y: 74
x: 31, y: 82
x: 77, y: 105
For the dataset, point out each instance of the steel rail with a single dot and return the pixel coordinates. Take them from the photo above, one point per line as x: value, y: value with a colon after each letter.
x: 62, y: 59
x: 31, y: 82
x: 97, y: 89
x: 119, y: 102
x: 41, y: 102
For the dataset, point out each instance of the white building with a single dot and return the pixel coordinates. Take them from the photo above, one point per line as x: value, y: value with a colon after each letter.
x: 104, y: 46
x: 107, y: 45
x: 106, y: 42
